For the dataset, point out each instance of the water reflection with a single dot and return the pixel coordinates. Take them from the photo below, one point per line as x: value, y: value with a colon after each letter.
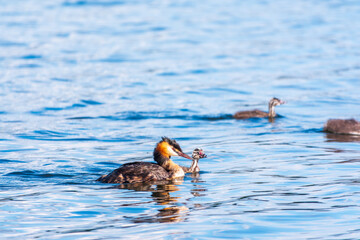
x: 356, y: 160
x: 332, y: 137
x: 271, y: 120
x: 197, y: 189
x: 165, y: 215
x: 163, y: 194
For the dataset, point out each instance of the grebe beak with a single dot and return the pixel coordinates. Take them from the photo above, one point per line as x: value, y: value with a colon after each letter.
x: 202, y: 154
x: 181, y: 154
x: 282, y: 102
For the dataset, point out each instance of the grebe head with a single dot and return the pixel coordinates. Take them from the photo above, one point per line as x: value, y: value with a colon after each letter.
x: 275, y: 102
x: 272, y: 103
x: 198, y: 153
x: 168, y: 147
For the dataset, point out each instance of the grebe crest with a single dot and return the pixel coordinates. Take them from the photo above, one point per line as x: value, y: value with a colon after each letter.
x: 165, y: 149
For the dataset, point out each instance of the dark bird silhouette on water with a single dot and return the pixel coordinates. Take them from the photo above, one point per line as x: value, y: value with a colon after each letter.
x: 258, y: 113
x: 342, y: 126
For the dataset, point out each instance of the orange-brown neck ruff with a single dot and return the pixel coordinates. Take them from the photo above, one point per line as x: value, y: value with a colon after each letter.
x: 161, y: 153
x: 162, y: 157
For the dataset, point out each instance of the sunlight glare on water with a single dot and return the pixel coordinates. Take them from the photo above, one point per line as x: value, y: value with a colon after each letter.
x: 89, y: 85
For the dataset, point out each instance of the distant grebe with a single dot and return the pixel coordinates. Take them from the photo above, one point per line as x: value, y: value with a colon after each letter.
x: 258, y: 113
x: 342, y: 126
x: 165, y: 169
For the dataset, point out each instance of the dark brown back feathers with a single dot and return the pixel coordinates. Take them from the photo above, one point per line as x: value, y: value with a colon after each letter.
x: 342, y: 126
x: 136, y: 172
x: 251, y: 114
x: 172, y: 142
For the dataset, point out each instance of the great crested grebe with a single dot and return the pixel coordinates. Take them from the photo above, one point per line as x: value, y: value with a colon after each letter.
x: 165, y: 169
x: 196, y: 155
x: 342, y: 126
x: 258, y: 113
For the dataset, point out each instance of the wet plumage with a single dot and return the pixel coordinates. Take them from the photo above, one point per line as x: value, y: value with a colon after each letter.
x: 136, y: 172
x: 258, y: 113
x: 165, y: 169
x: 342, y: 126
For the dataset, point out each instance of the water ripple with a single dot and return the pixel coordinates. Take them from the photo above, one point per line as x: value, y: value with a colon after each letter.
x: 85, y: 3
x: 81, y: 104
x: 37, y: 174
x: 156, y: 115
x: 88, y: 85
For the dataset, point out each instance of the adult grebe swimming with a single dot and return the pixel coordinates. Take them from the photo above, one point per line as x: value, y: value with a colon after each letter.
x: 258, y: 113
x: 165, y: 169
x: 342, y: 126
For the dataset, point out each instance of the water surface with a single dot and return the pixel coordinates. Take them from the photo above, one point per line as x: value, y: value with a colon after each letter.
x: 89, y: 85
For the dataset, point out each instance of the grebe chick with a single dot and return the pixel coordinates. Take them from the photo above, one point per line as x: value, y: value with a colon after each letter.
x: 342, y: 126
x: 196, y: 155
x: 165, y: 169
x: 258, y: 113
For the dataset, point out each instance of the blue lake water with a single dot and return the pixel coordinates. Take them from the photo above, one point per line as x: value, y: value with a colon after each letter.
x: 89, y: 85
